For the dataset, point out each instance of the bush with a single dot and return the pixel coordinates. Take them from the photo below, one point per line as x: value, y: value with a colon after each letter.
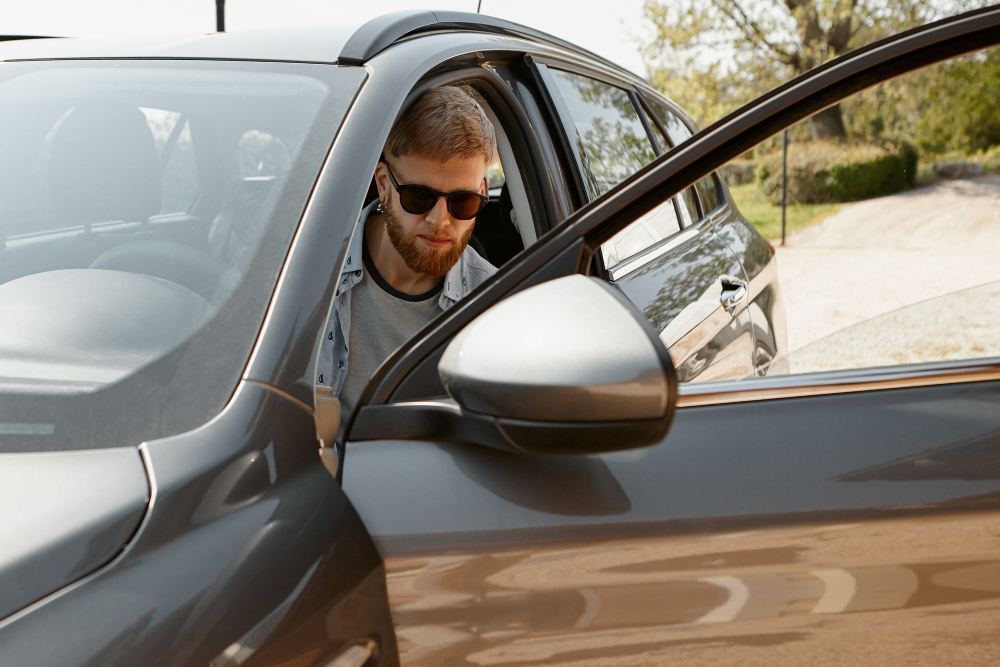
x: 737, y: 172
x: 990, y: 159
x: 821, y: 172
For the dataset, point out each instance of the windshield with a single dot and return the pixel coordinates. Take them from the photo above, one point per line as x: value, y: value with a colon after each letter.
x: 145, y: 210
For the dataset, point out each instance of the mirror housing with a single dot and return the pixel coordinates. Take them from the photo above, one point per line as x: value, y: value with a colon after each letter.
x: 565, y: 367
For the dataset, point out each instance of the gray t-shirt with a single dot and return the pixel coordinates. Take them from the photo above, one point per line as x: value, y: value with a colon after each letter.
x: 382, y: 319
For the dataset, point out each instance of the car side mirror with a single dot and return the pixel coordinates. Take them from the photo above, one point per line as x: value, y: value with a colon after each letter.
x: 565, y: 367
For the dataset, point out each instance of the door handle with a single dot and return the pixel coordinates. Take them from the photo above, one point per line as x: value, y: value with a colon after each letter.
x: 733, y: 291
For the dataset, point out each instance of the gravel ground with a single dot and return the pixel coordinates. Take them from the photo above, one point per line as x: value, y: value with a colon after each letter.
x: 877, y: 256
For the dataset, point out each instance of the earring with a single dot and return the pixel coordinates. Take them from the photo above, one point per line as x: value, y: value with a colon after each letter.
x: 380, y: 208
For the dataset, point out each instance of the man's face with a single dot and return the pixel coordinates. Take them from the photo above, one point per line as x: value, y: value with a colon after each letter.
x: 430, y: 243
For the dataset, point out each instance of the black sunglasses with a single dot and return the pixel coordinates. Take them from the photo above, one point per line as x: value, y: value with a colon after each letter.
x: 418, y: 199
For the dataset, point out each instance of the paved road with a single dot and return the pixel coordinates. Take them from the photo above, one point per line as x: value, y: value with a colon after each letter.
x: 877, y: 256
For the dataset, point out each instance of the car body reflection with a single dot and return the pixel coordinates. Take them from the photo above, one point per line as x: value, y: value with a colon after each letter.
x: 702, y: 599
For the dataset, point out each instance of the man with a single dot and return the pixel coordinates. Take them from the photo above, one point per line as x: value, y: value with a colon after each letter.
x: 409, y: 257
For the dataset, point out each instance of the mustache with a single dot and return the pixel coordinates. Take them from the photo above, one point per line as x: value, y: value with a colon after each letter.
x: 440, y: 231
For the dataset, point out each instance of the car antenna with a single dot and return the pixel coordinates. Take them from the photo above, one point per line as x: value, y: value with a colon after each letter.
x: 479, y: 6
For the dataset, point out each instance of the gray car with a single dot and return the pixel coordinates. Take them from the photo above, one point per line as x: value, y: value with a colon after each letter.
x: 176, y: 216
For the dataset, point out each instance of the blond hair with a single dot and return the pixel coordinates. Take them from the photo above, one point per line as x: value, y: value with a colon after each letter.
x: 446, y: 123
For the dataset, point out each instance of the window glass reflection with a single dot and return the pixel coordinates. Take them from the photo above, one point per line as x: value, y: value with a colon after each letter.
x: 610, y: 138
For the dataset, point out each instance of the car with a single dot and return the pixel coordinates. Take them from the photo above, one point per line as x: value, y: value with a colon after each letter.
x: 598, y: 455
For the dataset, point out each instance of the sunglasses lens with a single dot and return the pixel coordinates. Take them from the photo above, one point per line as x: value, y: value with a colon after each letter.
x: 464, y: 205
x: 416, y: 199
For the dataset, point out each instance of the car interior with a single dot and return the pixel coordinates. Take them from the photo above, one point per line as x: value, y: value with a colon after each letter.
x: 146, y: 205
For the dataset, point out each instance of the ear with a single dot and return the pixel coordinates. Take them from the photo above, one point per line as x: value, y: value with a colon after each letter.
x: 382, y: 181
x: 484, y: 189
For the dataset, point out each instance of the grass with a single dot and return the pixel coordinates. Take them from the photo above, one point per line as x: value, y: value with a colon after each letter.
x: 766, y: 217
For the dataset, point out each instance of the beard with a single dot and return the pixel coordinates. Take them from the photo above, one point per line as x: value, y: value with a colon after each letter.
x: 419, y: 258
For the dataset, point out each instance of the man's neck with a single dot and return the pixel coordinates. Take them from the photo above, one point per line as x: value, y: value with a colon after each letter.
x: 390, y: 264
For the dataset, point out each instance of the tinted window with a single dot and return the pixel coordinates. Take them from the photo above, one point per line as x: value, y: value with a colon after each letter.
x: 689, y: 209
x: 677, y: 130
x: 708, y: 193
x: 661, y: 138
x: 610, y: 138
x: 648, y: 230
x: 145, y: 212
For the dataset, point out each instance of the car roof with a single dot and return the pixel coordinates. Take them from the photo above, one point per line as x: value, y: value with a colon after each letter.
x: 345, y: 44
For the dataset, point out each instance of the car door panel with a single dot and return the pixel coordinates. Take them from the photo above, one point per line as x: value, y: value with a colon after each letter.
x: 679, y: 291
x: 722, y: 535
x: 763, y: 525
x: 765, y: 306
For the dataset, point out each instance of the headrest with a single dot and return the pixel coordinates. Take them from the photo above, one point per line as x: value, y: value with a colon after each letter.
x: 104, y: 164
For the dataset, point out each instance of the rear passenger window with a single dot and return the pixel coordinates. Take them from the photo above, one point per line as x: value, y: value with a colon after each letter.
x: 664, y: 142
x: 708, y: 193
x: 689, y: 209
x: 677, y: 130
x: 648, y: 230
x: 610, y: 139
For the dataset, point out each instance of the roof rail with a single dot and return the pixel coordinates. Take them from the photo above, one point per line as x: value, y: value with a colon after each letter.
x: 11, y: 38
x: 382, y: 31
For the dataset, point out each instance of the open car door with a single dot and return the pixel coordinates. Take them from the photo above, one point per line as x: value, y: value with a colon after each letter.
x: 525, y: 515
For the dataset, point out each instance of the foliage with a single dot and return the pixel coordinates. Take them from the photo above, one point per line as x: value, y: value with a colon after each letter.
x: 990, y: 160
x: 766, y: 217
x: 950, y: 109
x: 828, y: 171
x: 712, y: 56
x: 738, y: 172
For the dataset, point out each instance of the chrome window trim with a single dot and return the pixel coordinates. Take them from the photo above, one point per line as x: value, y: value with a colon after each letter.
x: 837, y: 382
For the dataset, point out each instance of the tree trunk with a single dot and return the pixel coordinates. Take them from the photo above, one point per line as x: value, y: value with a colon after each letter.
x: 828, y: 124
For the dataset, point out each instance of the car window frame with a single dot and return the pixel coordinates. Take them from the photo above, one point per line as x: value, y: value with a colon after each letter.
x: 720, y: 194
x: 532, y: 151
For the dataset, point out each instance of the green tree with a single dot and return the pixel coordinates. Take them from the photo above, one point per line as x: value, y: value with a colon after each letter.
x: 945, y: 109
x: 712, y: 56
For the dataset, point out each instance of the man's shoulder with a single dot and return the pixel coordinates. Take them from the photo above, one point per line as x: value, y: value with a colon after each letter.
x: 476, y: 264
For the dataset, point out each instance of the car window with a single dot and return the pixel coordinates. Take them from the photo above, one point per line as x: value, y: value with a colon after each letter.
x: 708, y: 193
x: 179, y: 180
x: 661, y: 137
x: 610, y: 139
x: 674, y: 126
x: 137, y: 202
x: 688, y: 206
x: 667, y: 122
x: 925, y: 332
x: 648, y: 230
x: 889, y: 252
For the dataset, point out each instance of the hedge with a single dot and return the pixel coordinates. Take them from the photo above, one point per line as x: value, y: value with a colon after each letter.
x: 737, y: 172
x: 822, y: 172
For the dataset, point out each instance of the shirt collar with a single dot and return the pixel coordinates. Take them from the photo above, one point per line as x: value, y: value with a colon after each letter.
x: 454, y: 281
